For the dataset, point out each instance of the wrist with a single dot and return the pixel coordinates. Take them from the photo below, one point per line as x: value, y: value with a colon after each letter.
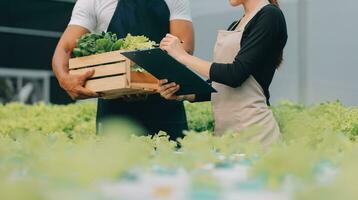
x: 183, y: 58
x: 62, y: 79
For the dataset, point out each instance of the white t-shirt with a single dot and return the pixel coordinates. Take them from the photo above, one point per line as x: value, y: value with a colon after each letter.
x: 95, y: 15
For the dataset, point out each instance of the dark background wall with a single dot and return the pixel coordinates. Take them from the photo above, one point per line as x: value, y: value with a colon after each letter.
x: 42, y: 15
x: 29, y: 32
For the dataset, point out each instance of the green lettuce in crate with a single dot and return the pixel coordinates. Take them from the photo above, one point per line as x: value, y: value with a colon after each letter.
x: 96, y: 43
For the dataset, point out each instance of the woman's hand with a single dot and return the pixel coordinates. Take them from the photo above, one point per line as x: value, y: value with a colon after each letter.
x: 168, y: 90
x: 173, y: 46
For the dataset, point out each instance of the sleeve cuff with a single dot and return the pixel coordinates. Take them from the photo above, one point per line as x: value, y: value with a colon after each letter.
x: 214, y: 71
x: 181, y: 18
x: 202, y: 97
x: 82, y: 24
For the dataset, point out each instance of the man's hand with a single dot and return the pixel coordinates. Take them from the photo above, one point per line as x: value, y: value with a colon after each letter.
x: 168, y: 90
x: 184, y: 31
x: 74, y: 85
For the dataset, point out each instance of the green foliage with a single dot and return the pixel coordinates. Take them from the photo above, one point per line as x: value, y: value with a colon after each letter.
x: 96, y: 43
x: 137, y: 42
x: 310, y: 135
x: 298, y: 120
x: 342, y: 187
x: 45, y: 149
x: 16, y: 118
x: 199, y: 116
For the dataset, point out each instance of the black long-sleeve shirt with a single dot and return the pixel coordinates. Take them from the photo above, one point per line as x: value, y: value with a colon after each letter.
x: 262, y: 45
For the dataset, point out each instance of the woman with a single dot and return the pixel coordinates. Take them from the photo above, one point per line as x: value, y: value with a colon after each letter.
x: 245, y: 60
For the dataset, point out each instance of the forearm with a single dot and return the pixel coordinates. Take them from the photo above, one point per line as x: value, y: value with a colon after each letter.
x: 184, y: 30
x: 64, y: 50
x: 60, y: 63
x: 200, y: 66
x: 189, y: 47
x: 187, y: 42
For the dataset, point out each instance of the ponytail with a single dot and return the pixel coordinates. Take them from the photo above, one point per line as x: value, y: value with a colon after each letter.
x: 274, y: 2
x: 280, y: 57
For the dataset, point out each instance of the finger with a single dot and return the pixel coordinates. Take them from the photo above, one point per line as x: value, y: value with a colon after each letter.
x: 165, y: 48
x: 163, y: 81
x: 167, y: 86
x: 172, y: 95
x: 170, y: 91
x: 170, y: 35
x: 162, y: 40
x: 164, y: 90
x: 173, y: 37
x: 164, y: 44
x: 87, y: 74
x: 79, y: 97
x: 180, y: 98
x: 167, y: 39
x: 175, y: 90
x: 167, y: 92
x: 87, y: 93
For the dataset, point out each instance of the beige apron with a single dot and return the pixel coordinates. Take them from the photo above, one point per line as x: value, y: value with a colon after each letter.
x: 236, y: 109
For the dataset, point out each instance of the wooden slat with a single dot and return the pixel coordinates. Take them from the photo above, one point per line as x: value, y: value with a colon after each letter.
x: 144, y: 80
x: 118, y: 93
x: 114, y: 94
x: 103, y: 70
x: 107, y: 84
x: 145, y: 86
x: 129, y: 71
x: 104, y: 58
x: 122, y: 93
x: 143, y: 77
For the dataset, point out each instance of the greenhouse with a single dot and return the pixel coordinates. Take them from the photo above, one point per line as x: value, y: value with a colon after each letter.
x: 159, y: 99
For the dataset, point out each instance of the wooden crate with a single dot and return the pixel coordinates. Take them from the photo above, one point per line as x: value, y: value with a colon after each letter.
x: 113, y: 76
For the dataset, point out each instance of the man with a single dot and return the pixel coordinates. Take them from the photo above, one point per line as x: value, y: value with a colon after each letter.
x: 152, y: 18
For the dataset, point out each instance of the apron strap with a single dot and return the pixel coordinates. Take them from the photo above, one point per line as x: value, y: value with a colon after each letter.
x: 149, y: 18
x: 235, y: 25
x: 141, y: 17
x: 257, y: 9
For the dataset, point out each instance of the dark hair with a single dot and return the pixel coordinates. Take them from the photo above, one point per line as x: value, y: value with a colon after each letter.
x: 280, y: 57
x: 274, y: 2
